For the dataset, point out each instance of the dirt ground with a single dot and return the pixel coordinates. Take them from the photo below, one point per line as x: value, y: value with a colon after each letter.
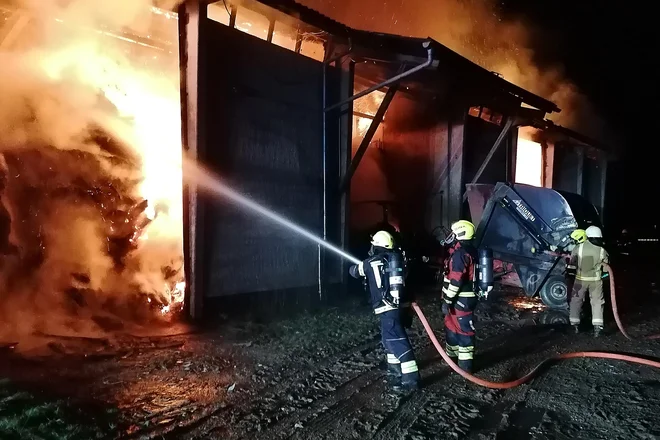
x: 318, y: 376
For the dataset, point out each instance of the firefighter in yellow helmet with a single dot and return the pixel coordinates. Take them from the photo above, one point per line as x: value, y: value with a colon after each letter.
x: 586, y: 264
x: 384, y: 271
x: 579, y: 236
x: 459, y: 294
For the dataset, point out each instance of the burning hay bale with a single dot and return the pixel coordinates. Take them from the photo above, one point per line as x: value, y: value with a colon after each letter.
x: 90, y: 174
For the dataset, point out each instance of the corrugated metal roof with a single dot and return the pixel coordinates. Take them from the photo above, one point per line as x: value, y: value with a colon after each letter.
x: 308, y: 15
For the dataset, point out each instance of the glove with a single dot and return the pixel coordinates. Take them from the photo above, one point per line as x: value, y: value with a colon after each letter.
x: 445, y: 308
x: 605, y: 275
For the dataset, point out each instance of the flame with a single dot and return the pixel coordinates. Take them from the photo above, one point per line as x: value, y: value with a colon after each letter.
x: 367, y: 105
x: 149, y: 122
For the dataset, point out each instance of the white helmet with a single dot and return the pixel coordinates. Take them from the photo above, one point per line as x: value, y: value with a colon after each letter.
x: 594, y: 232
x: 383, y: 239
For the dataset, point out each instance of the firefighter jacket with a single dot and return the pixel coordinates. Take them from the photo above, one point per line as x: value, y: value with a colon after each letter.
x: 459, y: 273
x: 458, y: 288
x: 587, y: 261
x: 386, y: 289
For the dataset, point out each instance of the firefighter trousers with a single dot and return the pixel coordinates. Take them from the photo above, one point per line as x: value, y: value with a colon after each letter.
x: 460, y: 344
x: 578, y: 294
x: 459, y: 330
x: 400, y: 355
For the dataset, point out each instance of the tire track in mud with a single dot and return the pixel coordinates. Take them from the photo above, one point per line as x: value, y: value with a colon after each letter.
x: 327, y: 412
x: 218, y: 417
x: 345, y: 403
x: 402, y: 418
x: 346, y: 398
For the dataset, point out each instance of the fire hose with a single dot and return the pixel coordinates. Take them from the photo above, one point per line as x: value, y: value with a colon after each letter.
x: 526, y: 378
x: 615, y: 310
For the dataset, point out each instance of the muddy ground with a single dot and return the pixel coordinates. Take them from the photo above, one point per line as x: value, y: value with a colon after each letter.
x: 317, y: 376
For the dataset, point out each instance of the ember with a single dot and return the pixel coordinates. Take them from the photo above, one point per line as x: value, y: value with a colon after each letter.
x: 533, y: 304
x: 91, y: 191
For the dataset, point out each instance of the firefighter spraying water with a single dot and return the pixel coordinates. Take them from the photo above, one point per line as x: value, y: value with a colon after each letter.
x: 384, y: 272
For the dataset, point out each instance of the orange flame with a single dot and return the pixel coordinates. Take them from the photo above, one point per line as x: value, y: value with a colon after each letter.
x: 149, y: 122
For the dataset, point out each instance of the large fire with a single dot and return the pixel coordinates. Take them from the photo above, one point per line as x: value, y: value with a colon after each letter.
x: 154, y: 131
x: 125, y: 98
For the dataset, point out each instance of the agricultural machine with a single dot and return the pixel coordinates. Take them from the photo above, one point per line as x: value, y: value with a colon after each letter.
x: 528, y: 229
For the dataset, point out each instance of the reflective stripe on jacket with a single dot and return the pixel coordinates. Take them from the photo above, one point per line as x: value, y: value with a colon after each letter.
x: 587, y: 259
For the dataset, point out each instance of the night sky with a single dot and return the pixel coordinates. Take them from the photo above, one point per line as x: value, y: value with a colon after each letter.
x: 606, y: 49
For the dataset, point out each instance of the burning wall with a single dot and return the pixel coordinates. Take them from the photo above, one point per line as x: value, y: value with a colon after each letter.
x: 90, y: 169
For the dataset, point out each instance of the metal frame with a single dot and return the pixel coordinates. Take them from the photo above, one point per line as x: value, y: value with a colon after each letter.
x: 393, y: 80
x: 191, y: 19
x: 324, y: 130
x: 491, y: 153
x: 603, y: 185
x: 377, y: 119
x: 368, y: 137
x: 345, y: 152
x: 580, y: 171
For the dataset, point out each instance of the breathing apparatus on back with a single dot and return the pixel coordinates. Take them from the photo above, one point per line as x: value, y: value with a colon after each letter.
x: 464, y: 231
x: 382, y: 242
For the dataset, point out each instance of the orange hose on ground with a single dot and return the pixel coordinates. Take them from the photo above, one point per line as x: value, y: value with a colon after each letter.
x: 531, y: 374
x: 615, y: 310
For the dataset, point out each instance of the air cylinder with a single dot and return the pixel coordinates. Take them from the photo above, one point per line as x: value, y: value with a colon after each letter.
x: 485, y: 270
x: 396, y: 276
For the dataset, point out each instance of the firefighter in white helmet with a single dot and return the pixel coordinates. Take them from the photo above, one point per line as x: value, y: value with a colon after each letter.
x: 586, y: 264
x: 384, y: 272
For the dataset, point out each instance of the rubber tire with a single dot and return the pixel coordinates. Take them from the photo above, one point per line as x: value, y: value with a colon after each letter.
x: 554, y: 293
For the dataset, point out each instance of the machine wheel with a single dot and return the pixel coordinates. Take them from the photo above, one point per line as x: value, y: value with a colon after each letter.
x: 554, y: 293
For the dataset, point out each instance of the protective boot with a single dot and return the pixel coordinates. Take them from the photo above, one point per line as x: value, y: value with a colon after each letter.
x: 465, y: 365
x: 409, y: 377
x: 598, y: 331
x: 408, y: 382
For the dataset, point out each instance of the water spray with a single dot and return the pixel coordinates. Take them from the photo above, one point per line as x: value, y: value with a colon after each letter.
x: 212, y: 184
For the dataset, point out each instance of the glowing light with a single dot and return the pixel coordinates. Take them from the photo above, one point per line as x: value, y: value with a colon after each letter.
x: 529, y: 162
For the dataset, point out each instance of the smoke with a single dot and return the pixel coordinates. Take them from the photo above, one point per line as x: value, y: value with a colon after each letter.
x: 90, y: 128
x: 476, y: 30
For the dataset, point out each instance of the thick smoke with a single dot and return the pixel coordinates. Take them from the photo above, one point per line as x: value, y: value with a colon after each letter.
x: 90, y: 238
x: 474, y: 29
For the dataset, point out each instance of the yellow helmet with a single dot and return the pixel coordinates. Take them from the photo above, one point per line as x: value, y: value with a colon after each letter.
x: 463, y: 229
x: 383, y: 239
x: 579, y: 235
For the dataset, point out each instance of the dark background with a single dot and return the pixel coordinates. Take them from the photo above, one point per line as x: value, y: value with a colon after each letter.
x: 609, y: 50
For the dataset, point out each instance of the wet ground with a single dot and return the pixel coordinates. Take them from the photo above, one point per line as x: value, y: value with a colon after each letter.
x: 317, y: 376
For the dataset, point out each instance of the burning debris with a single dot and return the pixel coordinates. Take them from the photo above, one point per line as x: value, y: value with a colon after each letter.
x: 90, y: 169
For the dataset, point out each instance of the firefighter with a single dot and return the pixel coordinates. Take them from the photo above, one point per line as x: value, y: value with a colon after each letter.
x: 384, y: 272
x: 586, y: 265
x: 459, y: 294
